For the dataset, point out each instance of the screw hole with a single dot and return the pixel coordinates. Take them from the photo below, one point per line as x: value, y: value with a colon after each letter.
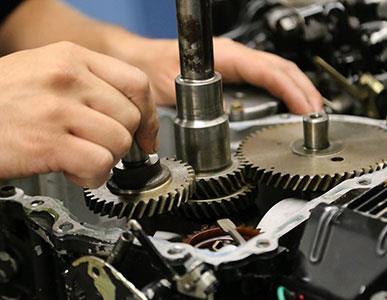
x: 37, y: 203
x: 95, y: 272
x: 66, y: 226
x: 364, y: 182
x: 337, y: 159
x: 263, y: 243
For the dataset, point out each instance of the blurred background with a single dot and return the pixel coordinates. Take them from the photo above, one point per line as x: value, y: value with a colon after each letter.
x: 152, y: 18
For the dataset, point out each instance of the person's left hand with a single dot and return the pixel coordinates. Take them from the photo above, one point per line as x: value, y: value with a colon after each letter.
x: 159, y: 59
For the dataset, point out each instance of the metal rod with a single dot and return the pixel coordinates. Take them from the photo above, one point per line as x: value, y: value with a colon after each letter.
x: 195, y: 39
x: 316, y: 127
x: 135, y: 155
x: 154, y: 254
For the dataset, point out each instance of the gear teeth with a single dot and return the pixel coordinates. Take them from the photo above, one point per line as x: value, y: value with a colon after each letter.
x: 259, y: 171
x: 148, y: 203
x: 219, y: 185
x: 216, y: 208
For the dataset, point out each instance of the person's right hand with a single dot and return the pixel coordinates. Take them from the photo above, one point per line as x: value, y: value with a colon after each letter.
x: 66, y: 108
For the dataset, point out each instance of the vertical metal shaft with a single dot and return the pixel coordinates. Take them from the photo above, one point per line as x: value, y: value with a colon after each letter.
x: 201, y: 126
x: 195, y: 39
x: 135, y: 156
x: 316, y: 127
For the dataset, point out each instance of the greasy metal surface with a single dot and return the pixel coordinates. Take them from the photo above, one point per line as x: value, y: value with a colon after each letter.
x: 195, y: 39
x: 146, y: 202
x: 272, y: 162
x: 107, y: 280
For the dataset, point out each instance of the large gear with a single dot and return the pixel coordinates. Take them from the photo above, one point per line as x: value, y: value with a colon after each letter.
x: 222, y: 183
x: 220, y: 194
x: 215, y: 208
x: 146, y: 202
x: 275, y: 156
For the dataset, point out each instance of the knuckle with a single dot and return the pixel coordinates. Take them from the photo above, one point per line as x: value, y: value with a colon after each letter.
x: 134, y: 121
x: 142, y: 87
x: 124, y: 144
x: 62, y: 75
x: 67, y: 46
x: 291, y: 66
x: 102, y: 165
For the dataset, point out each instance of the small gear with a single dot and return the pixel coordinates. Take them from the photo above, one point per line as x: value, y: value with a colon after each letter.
x: 215, y: 208
x: 177, y: 189
x: 220, y: 184
x: 275, y: 156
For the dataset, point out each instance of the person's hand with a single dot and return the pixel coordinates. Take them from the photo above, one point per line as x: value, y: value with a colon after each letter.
x: 237, y: 63
x: 66, y: 108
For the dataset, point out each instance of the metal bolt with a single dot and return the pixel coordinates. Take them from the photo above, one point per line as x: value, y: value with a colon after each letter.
x: 175, y: 250
x: 263, y: 243
x: 8, y: 267
x: 7, y: 191
x: 236, y: 111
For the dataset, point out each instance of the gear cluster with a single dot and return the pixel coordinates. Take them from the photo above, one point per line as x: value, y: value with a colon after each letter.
x: 279, y: 156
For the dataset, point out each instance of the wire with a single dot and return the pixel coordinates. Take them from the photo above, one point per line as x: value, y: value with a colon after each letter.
x: 281, y: 291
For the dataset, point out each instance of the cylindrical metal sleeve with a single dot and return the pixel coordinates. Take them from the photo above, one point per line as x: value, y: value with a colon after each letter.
x: 316, y: 127
x: 195, y: 39
x: 205, y: 145
x: 199, y: 100
x: 135, y: 155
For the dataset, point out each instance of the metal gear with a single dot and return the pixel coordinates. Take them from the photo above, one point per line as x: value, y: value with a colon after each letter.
x: 275, y: 156
x: 146, y: 202
x: 215, y: 208
x: 219, y: 184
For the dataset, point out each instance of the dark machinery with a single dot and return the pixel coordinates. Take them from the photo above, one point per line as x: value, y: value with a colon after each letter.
x: 299, y: 211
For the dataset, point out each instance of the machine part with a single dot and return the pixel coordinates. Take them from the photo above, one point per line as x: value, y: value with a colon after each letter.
x: 148, y: 201
x: 330, y: 237
x: 220, y: 184
x: 355, y: 149
x: 91, y: 276
x: 201, y: 126
x: 120, y: 249
x: 8, y: 267
x: 166, y: 269
x: 215, y: 208
x: 229, y: 227
x: 192, y: 278
x: 215, y: 238
x: 316, y: 128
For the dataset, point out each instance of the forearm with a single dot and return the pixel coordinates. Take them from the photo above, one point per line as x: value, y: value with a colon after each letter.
x: 40, y: 22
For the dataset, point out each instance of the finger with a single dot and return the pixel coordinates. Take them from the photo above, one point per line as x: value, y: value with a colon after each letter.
x: 99, y: 129
x: 134, y: 85
x: 264, y: 70
x: 91, y: 183
x: 82, y: 158
x: 276, y: 82
x: 300, y: 79
x: 102, y: 97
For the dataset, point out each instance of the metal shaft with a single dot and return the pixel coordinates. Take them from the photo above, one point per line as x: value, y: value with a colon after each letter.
x: 316, y: 127
x: 195, y: 39
x: 135, y: 156
x: 201, y: 126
